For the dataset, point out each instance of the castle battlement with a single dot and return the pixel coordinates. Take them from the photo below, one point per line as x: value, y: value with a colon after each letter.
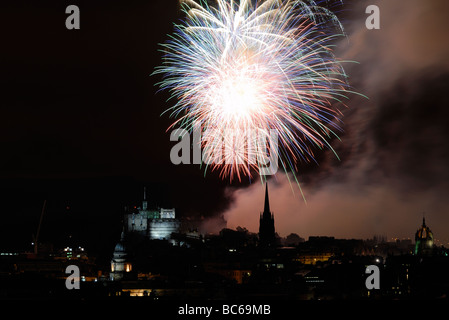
x: 154, y: 223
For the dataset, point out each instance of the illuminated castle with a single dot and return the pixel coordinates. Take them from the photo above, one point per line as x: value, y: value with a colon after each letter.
x: 423, y: 240
x: 154, y: 224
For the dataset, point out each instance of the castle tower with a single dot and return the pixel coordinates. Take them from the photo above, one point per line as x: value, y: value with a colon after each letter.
x: 266, y: 226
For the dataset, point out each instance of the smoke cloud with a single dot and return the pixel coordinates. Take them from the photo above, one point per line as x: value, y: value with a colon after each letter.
x: 394, y: 151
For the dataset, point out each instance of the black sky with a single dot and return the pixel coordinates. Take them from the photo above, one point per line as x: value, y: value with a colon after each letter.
x: 80, y: 119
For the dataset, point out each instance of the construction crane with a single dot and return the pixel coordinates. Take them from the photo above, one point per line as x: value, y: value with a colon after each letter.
x: 39, y: 228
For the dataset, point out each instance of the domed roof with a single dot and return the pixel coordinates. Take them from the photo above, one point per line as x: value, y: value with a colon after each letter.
x: 424, y: 232
x: 119, y: 247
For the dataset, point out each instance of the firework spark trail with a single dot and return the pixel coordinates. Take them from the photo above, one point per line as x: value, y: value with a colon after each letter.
x: 242, y: 66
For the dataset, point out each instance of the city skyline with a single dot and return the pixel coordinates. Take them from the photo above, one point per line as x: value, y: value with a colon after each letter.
x: 81, y: 127
x: 155, y: 258
x: 250, y: 221
x: 300, y: 219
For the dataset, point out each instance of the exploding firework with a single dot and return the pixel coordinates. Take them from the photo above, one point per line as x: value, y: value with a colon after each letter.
x: 241, y: 70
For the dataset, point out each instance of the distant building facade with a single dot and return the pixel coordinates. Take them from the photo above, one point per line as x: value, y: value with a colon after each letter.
x: 155, y: 224
x: 152, y: 223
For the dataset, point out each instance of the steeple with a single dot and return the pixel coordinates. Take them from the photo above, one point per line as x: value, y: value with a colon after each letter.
x: 266, y: 224
x: 266, y: 209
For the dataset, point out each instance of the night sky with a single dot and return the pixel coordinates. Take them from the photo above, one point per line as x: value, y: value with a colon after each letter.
x: 81, y: 126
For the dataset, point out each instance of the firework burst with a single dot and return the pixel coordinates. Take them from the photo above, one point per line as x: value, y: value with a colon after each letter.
x: 240, y: 70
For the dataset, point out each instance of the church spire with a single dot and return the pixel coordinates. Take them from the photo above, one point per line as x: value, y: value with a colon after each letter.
x: 267, y: 235
x: 266, y: 209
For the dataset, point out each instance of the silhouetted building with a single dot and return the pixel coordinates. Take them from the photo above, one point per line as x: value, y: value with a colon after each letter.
x: 119, y: 263
x: 424, y: 240
x: 266, y: 227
